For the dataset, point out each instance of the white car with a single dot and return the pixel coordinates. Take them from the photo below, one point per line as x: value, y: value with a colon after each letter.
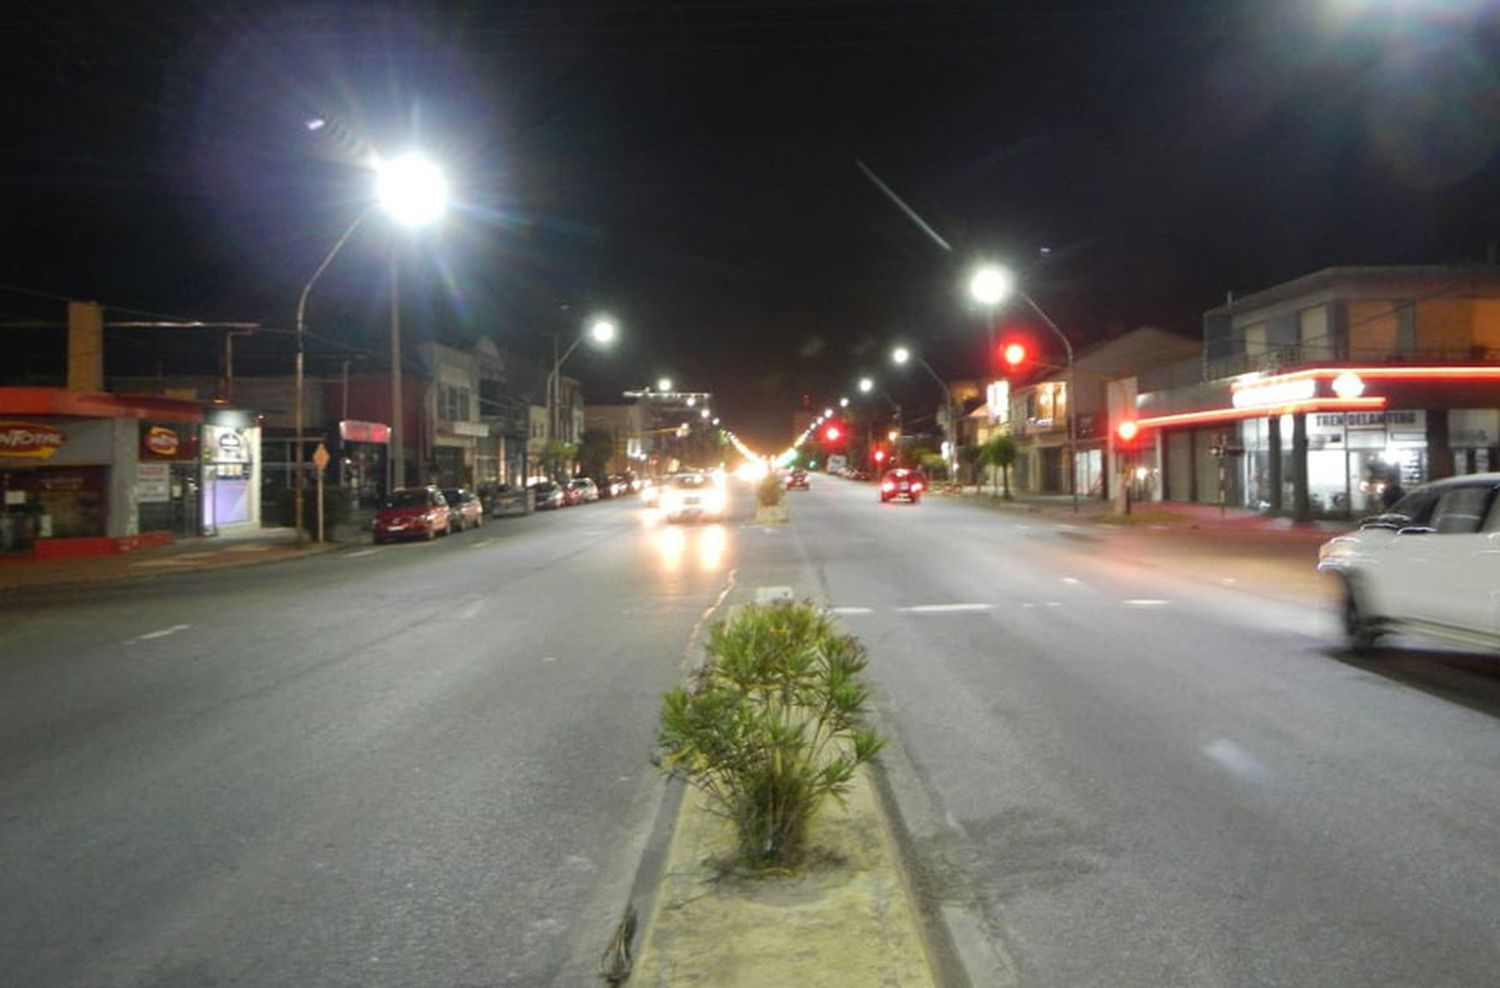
x: 1430, y: 565
x: 692, y: 495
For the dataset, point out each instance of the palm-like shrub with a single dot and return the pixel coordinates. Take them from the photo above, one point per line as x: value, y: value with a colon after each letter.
x: 771, y: 726
x: 768, y: 491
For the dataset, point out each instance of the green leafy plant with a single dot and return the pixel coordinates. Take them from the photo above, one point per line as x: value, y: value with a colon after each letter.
x: 768, y: 491
x: 771, y: 726
x: 999, y: 453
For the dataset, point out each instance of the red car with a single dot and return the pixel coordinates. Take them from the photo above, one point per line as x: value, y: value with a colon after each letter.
x: 412, y: 512
x: 797, y: 480
x: 902, y: 483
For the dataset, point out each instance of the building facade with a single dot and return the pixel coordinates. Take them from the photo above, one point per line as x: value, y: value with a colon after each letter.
x: 1328, y: 395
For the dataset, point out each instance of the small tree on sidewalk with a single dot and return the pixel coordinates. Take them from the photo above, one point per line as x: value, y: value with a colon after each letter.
x: 968, y: 458
x: 999, y: 453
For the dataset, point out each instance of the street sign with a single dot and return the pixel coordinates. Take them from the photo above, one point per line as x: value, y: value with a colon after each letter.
x: 320, y: 458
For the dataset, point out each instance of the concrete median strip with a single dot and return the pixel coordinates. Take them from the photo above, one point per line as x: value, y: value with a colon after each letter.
x: 845, y: 918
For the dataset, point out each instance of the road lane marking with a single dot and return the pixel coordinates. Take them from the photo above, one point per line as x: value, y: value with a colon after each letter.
x: 1229, y: 581
x: 945, y: 608
x: 549, y: 658
x: 1071, y: 581
x: 1147, y: 602
x: 480, y: 543
x: 1236, y: 759
x: 851, y: 610
x: 471, y: 610
x: 164, y: 632
x: 1054, y: 603
x: 362, y: 552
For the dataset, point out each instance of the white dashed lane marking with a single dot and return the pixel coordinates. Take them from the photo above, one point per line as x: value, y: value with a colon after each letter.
x: 1147, y: 602
x: 851, y: 610
x: 944, y: 608
x: 164, y: 632
x: 362, y: 552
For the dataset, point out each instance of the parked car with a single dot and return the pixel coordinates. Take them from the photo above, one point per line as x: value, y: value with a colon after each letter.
x: 586, y: 489
x: 464, y: 507
x: 692, y: 495
x: 548, y: 496
x: 1428, y: 565
x: 504, y: 499
x: 902, y: 483
x: 797, y: 480
x: 412, y: 512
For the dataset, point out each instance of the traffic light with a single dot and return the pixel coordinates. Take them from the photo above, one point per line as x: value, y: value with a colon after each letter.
x: 879, y: 457
x: 1127, y: 432
x: 1015, y: 354
x: 833, y: 433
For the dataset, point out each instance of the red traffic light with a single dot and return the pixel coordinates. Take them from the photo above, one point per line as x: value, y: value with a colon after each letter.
x: 833, y: 433
x: 1128, y: 431
x: 880, y: 456
x: 1014, y: 354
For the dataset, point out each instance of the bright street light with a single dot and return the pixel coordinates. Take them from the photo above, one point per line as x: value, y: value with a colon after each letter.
x: 828, y: 413
x: 991, y: 284
x: 603, y: 331
x: 412, y: 189
x: 703, y: 413
x: 900, y: 355
x: 866, y: 385
x: 664, y: 384
x: 843, y: 402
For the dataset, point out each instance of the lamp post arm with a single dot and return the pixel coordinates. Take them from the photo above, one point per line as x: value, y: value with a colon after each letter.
x: 297, y: 485
x: 338, y: 246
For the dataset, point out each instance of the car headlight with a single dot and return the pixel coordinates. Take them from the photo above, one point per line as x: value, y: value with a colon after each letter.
x: 713, y: 501
x: 670, y: 500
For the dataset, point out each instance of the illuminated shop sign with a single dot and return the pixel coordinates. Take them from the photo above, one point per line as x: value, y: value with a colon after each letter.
x: 30, y: 440
x: 1274, y: 393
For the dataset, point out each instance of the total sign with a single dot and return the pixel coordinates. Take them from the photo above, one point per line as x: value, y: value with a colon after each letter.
x: 30, y: 440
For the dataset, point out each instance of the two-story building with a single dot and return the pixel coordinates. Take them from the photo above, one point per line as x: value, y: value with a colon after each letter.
x: 1326, y: 395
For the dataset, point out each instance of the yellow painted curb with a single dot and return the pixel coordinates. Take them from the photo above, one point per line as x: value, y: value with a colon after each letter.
x: 844, y: 920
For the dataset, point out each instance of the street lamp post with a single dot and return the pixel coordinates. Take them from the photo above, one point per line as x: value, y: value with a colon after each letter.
x: 990, y: 286
x: 603, y: 333
x: 900, y: 355
x: 412, y: 191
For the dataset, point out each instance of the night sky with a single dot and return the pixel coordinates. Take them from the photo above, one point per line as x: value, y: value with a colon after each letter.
x: 690, y: 168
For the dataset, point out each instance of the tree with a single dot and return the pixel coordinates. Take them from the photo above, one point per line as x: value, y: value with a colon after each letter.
x: 595, y: 449
x: 999, y: 453
x: 968, y: 456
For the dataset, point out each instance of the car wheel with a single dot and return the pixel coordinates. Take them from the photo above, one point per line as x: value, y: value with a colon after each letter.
x: 1360, y: 629
x: 378, y: 540
x: 431, y: 531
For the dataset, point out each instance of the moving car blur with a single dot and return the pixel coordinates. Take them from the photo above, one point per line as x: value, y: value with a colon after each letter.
x: 1426, y: 565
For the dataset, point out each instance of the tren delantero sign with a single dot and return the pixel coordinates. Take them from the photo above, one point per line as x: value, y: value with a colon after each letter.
x: 30, y: 440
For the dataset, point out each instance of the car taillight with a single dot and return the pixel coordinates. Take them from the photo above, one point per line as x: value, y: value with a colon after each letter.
x: 917, y: 486
x: 888, y: 486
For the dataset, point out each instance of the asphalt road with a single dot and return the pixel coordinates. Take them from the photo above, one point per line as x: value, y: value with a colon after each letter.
x: 1121, y: 758
x: 423, y: 764
x: 1136, y: 759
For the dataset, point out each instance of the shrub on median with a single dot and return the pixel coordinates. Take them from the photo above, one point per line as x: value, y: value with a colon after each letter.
x: 771, y: 726
x: 768, y: 491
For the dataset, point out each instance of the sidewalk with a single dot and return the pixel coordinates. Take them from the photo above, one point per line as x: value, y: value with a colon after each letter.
x: 191, y: 555
x: 1164, y: 515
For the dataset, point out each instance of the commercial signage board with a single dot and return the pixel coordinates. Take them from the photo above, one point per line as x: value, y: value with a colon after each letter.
x: 168, y: 441
x: 353, y: 431
x: 153, y: 483
x: 30, y: 440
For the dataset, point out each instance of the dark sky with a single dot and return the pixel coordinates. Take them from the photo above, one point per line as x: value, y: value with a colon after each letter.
x: 690, y: 167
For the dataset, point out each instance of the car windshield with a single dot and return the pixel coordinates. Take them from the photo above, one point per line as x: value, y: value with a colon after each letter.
x: 690, y: 481
x: 407, y: 499
x: 453, y: 497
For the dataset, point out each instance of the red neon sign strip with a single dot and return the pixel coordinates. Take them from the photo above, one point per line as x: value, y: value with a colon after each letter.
x: 1264, y: 411
x: 1445, y: 373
